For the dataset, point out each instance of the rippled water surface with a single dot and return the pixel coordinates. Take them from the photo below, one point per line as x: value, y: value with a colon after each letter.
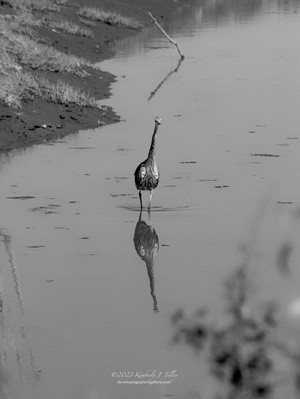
x: 88, y: 285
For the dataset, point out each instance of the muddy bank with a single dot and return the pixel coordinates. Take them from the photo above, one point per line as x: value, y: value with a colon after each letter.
x: 39, y: 120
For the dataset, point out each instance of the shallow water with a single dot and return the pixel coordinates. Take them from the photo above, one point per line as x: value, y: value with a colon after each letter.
x: 88, y: 288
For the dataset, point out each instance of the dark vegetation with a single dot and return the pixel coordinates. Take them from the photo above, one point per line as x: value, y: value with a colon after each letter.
x: 244, y: 348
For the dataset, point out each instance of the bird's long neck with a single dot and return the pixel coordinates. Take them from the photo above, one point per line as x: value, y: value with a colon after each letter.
x: 151, y: 154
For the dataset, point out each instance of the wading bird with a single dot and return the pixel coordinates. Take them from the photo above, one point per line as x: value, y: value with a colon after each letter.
x: 146, y: 175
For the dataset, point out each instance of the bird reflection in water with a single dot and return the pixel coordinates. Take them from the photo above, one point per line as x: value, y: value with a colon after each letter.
x: 146, y: 245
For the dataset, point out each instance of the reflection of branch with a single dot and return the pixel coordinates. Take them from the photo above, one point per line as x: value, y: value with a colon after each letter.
x: 7, y: 244
x: 15, y: 342
x: 167, y: 36
x: 152, y: 94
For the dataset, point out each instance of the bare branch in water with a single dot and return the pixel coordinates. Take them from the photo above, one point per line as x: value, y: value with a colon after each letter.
x: 167, y: 36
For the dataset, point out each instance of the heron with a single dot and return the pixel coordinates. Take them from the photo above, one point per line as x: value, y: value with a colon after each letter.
x: 146, y: 175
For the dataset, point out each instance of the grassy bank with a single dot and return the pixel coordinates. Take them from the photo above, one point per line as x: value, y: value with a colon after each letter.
x: 24, y: 52
x: 47, y: 74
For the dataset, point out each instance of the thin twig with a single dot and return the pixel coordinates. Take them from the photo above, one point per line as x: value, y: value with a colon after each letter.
x: 167, y: 36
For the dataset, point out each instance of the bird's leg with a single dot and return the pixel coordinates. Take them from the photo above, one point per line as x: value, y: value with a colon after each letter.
x: 140, y: 196
x: 140, y: 217
x: 150, y: 198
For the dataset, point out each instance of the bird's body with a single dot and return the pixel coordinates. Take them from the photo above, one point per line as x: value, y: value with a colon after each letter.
x: 146, y: 175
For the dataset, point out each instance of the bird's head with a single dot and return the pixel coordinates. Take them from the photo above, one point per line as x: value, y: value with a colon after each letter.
x: 157, y: 121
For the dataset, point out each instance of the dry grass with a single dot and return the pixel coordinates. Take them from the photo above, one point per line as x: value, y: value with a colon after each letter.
x: 22, y: 52
x: 88, y: 22
x: 21, y: 24
x: 70, y: 27
x: 21, y: 42
x: 17, y: 86
x: 36, y: 5
x: 11, y: 87
x: 107, y: 17
x: 63, y: 93
x: 40, y: 56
